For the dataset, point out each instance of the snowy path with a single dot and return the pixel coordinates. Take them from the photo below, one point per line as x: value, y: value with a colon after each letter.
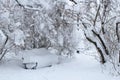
x: 82, y: 68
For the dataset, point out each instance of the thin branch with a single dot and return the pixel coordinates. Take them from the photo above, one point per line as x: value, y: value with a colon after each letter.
x: 96, y: 15
x: 119, y: 56
x: 19, y: 4
x: 73, y: 1
x: 1, y: 50
x: 3, y: 54
x: 110, y: 19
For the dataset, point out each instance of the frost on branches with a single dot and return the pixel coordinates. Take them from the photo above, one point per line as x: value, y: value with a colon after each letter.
x: 100, y: 22
x: 37, y: 24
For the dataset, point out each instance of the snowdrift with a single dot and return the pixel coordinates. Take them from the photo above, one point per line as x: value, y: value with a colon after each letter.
x: 38, y: 58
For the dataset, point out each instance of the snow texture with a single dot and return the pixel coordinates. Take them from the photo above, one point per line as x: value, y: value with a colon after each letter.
x: 40, y: 56
x: 18, y: 36
x: 84, y: 67
x: 2, y: 38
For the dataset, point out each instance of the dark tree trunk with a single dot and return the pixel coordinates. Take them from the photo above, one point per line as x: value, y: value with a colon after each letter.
x: 102, y: 42
x: 98, y: 49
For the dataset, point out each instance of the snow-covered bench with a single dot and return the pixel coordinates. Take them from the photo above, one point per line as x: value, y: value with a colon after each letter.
x: 38, y: 58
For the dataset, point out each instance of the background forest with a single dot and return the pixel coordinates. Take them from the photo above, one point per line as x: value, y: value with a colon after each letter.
x: 64, y: 27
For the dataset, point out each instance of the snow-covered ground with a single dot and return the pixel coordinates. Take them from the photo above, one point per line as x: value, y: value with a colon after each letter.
x: 84, y: 67
x: 42, y: 57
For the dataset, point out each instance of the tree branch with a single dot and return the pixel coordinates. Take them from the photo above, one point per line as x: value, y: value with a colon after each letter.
x: 4, y: 52
x: 19, y: 4
x: 98, y: 49
x: 105, y: 48
x: 96, y: 15
x: 73, y: 1
x: 117, y: 31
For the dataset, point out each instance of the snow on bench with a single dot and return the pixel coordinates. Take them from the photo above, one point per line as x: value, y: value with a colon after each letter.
x: 38, y: 58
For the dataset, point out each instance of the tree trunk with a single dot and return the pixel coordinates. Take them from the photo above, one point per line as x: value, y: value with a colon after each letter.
x: 102, y: 42
x: 98, y: 49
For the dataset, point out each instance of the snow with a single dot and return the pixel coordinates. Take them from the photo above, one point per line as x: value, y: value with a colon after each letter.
x: 41, y: 56
x: 70, y: 3
x: 2, y: 37
x: 98, y: 2
x: 17, y: 24
x: 83, y: 67
x: 45, y: 3
x: 5, y: 16
x: 18, y: 36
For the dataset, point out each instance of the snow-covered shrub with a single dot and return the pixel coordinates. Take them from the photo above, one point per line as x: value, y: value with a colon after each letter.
x: 3, y: 42
x: 61, y: 31
x: 100, y: 22
x: 38, y: 24
x: 38, y: 58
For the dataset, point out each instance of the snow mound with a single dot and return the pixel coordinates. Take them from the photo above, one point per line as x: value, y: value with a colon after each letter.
x: 2, y: 38
x: 18, y: 36
x: 41, y: 56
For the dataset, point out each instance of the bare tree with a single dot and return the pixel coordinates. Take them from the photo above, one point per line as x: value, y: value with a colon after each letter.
x: 100, y: 21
